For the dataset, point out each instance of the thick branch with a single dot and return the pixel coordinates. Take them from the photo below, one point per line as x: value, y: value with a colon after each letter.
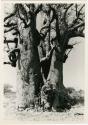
x: 73, y: 32
x: 77, y: 34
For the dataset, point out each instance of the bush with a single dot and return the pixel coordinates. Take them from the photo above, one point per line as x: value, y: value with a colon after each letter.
x: 76, y: 96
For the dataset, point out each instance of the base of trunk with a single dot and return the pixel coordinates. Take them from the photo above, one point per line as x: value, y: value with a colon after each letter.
x: 25, y: 97
x: 62, y: 100
x: 26, y: 94
x: 55, y: 100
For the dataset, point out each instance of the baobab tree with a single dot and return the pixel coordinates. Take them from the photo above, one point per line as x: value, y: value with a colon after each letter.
x: 39, y: 54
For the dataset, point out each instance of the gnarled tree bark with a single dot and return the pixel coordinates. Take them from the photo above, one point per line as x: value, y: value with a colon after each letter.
x: 29, y: 72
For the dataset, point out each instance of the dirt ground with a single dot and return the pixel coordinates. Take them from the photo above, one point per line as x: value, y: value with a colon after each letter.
x: 75, y: 114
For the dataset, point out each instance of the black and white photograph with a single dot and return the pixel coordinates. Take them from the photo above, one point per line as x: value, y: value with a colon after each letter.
x: 44, y: 61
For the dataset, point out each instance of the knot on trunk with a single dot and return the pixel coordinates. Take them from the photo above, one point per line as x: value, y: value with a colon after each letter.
x: 13, y: 56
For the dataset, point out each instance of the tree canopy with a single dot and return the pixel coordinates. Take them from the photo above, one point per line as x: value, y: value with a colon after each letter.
x: 70, y: 18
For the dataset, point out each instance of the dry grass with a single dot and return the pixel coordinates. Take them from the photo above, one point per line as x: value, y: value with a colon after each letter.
x: 76, y: 113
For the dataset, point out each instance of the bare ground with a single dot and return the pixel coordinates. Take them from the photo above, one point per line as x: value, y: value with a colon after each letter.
x: 76, y: 113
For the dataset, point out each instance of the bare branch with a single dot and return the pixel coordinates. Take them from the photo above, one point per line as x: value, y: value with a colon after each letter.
x: 25, y: 14
x: 22, y: 13
x: 76, y: 6
x: 78, y: 34
x: 81, y: 8
x: 16, y: 32
x: 77, y: 26
x: 11, y: 41
x: 38, y: 9
x: 12, y: 14
x: 10, y: 29
x: 65, y: 14
x: 78, y: 11
x: 10, y: 24
x: 26, y: 7
x: 77, y: 16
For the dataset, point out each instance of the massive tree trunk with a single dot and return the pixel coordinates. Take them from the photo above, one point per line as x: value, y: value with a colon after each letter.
x: 55, y: 77
x: 56, y: 70
x: 29, y: 73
